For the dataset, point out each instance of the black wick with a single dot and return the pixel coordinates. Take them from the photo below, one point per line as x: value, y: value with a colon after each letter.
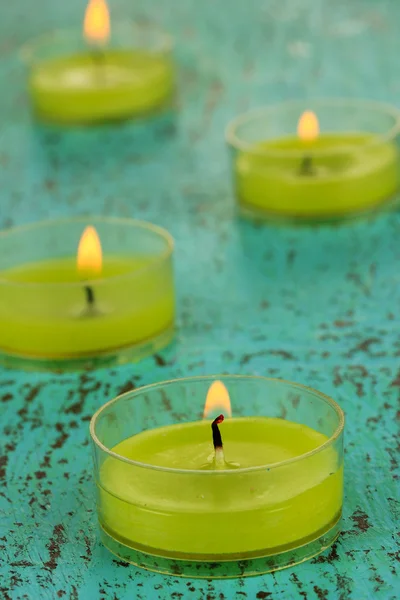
x: 90, y: 297
x: 306, y: 166
x: 217, y: 440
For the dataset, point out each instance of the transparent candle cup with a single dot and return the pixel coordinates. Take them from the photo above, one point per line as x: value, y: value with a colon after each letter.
x: 74, y: 83
x: 52, y: 317
x: 209, y: 522
x: 350, y: 168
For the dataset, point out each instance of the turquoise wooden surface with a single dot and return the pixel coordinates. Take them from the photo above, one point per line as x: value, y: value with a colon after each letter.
x: 315, y: 305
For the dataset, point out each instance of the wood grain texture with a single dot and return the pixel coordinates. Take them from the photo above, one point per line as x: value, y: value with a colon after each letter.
x: 315, y: 305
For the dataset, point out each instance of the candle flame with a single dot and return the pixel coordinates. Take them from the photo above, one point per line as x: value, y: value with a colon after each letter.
x: 308, y: 126
x: 96, y: 25
x: 217, y: 400
x: 90, y: 257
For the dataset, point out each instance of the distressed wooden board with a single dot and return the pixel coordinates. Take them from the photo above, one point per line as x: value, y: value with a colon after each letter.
x: 315, y: 305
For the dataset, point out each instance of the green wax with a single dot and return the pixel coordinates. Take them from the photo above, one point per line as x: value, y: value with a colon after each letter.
x: 350, y: 172
x: 87, y: 88
x: 133, y: 303
x: 200, y: 511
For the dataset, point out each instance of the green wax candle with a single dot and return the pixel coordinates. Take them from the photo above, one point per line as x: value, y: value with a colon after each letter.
x: 63, y: 299
x: 171, y: 503
x: 99, y: 86
x: 83, y: 80
x: 44, y: 310
x: 350, y: 172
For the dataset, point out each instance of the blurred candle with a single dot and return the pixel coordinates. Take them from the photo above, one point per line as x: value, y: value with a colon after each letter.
x: 312, y: 174
x: 76, y: 307
x: 102, y: 77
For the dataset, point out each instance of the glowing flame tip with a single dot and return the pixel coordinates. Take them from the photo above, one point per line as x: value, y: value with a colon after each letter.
x: 89, y: 259
x: 217, y: 399
x: 96, y: 25
x: 308, y: 126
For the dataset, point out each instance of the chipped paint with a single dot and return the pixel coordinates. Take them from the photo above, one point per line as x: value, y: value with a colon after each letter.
x: 315, y: 305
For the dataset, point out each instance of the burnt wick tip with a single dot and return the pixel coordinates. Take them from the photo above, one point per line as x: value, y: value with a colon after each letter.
x: 217, y: 440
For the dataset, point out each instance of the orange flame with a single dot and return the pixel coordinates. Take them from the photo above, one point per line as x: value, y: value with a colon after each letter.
x: 308, y: 126
x: 90, y: 257
x: 217, y: 400
x: 96, y: 25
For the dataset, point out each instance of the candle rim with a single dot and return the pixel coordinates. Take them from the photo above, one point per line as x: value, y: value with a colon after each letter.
x: 164, y: 45
x: 329, y: 442
x: 235, y: 141
x: 158, y: 259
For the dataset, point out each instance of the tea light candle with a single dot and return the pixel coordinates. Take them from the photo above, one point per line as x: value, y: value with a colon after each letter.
x: 71, y: 82
x: 56, y: 309
x: 272, y: 487
x: 312, y: 174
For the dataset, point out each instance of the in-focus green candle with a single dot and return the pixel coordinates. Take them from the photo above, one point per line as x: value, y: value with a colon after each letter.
x: 249, y: 494
x: 233, y: 513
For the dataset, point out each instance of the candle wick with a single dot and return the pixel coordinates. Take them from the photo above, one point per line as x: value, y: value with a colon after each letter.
x: 217, y: 439
x: 90, y: 297
x: 90, y: 310
x: 219, y: 457
x: 306, y: 166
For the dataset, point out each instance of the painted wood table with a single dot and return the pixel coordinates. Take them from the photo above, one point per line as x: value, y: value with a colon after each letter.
x: 319, y: 305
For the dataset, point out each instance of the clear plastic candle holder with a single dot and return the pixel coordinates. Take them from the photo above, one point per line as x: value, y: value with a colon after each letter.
x: 347, y: 166
x: 276, y: 500
x: 54, y: 316
x: 71, y: 82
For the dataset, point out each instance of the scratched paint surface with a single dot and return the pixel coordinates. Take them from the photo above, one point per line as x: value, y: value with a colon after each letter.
x: 315, y: 305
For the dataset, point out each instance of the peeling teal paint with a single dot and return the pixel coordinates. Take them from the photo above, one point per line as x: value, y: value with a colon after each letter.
x: 314, y: 305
